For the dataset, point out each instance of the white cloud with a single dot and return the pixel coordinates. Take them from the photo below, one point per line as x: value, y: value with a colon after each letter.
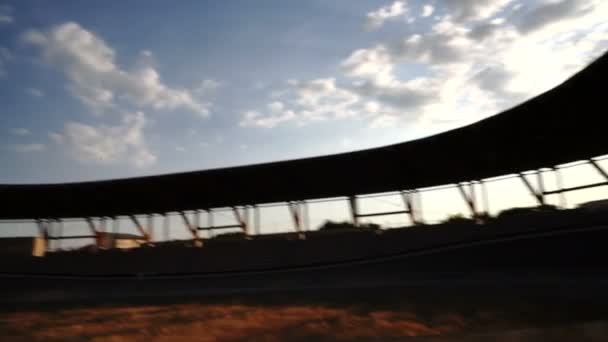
x: 427, y: 10
x: 456, y: 72
x: 377, y: 18
x: 35, y: 92
x: 6, y: 15
x: 105, y: 144
x: 208, y: 86
x: 551, y: 12
x: 95, y: 79
x: 316, y: 100
x: 21, y: 131
x: 56, y: 137
x: 26, y: 148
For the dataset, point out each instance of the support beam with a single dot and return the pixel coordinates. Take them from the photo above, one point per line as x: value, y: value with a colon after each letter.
x: 193, y: 230
x: 227, y: 226
x: 539, y: 196
x: 409, y: 205
x: 385, y: 213
x: 140, y: 228
x: 574, y: 188
x: 295, y: 210
x: 240, y: 218
x: 354, y: 210
x: 71, y: 237
x: 469, y: 198
x: 94, y: 232
x: 91, y: 225
x: 599, y: 168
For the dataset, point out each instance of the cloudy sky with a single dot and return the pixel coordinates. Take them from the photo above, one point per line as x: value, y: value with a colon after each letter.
x: 104, y: 89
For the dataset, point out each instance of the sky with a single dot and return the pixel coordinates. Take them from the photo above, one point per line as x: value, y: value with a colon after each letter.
x: 98, y: 90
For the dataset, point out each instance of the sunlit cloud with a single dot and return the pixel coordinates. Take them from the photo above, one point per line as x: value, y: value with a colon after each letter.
x: 377, y: 18
x: 94, y: 78
x: 105, y: 144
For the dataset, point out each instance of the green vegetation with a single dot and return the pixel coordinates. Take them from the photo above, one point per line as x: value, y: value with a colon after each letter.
x: 231, y: 236
x: 345, y: 225
x: 526, y: 211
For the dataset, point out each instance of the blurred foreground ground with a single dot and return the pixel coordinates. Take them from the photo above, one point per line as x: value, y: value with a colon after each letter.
x: 361, y: 315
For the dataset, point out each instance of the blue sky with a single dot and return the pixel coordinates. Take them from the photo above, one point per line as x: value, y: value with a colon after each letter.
x: 94, y: 90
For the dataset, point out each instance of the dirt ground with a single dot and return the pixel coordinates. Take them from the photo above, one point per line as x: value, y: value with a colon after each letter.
x: 380, y: 315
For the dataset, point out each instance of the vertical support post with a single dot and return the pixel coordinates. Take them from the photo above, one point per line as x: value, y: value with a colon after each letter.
x: 354, y: 209
x: 484, y: 197
x: 306, y: 215
x: 256, y: 219
x: 166, y: 219
x: 559, y: 183
x: 294, y: 209
x: 44, y: 234
x: 115, y: 225
x: 102, y: 224
x: 51, y: 233
x: 247, y: 218
x: 417, y: 201
x: 60, y: 232
x: 541, y: 185
x: 210, y: 221
x: 197, y: 219
x: 150, y: 225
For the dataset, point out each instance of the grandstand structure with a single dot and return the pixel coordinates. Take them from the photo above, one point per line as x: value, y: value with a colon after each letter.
x: 562, y: 125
